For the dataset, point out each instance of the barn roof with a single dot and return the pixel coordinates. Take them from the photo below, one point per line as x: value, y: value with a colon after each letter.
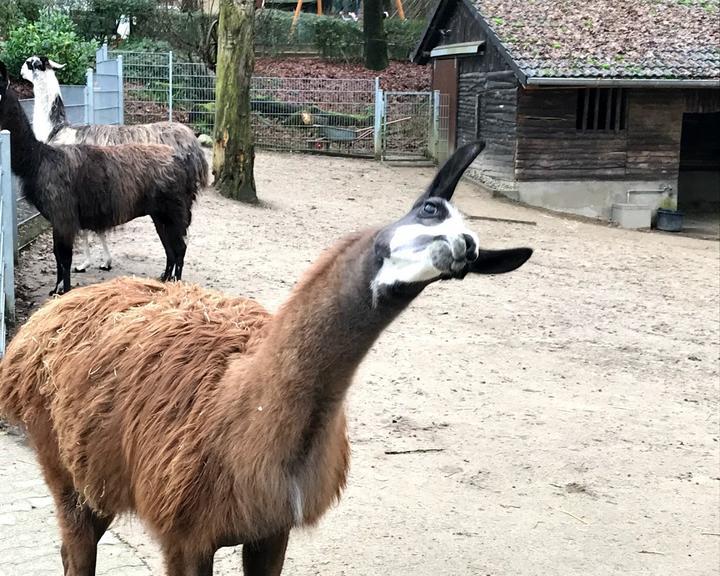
x: 605, y: 39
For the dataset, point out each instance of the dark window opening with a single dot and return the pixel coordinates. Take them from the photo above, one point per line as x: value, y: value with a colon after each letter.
x: 602, y: 109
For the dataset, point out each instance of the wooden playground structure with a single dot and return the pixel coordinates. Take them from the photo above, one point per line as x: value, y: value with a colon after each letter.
x: 298, y: 9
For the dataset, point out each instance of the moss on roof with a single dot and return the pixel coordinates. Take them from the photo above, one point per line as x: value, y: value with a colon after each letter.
x: 677, y: 39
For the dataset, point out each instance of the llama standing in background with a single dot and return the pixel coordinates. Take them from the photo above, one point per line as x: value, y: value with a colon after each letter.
x: 50, y: 125
x: 217, y: 423
x: 81, y: 187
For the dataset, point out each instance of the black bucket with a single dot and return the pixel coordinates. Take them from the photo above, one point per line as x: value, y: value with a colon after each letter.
x: 669, y: 220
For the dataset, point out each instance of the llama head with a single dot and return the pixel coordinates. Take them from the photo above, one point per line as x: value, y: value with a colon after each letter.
x: 36, y: 68
x: 432, y: 242
x: 40, y: 70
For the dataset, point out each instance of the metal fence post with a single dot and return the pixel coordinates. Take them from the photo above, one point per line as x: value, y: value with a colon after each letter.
x: 101, y: 54
x: 121, y: 91
x: 435, y: 141
x: 7, y: 225
x: 170, y: 87
x: 89, y: 97
x: 379, y: 116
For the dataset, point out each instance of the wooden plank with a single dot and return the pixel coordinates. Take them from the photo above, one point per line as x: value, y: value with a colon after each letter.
x: 597, y: 108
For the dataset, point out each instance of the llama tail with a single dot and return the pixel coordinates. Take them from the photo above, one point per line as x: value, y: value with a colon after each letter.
x: 195, y: 162
x: 203, y: 170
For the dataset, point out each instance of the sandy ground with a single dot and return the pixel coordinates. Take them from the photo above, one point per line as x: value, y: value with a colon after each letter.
x: 573, y: 405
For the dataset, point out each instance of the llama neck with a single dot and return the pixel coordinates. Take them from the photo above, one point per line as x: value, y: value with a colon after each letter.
x: 330, y: 322
x: 26, y: 150
x: 316, y: 341
x: 49, y: 113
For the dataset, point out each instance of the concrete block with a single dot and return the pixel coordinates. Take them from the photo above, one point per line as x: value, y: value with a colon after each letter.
x: 631, y: 215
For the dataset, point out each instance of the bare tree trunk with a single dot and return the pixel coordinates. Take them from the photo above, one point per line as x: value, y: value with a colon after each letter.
x: 234, y: 150
x: 189, y: 5
x: 376, y: 50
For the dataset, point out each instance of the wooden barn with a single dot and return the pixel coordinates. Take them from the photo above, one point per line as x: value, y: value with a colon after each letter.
x: 584, y: 104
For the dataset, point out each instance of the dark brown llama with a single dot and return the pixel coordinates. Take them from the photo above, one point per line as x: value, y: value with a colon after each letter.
x: 82, y: 187
x: 215, y: 422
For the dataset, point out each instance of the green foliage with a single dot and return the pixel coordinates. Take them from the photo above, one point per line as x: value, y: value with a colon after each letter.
x: 332, y: 37
x: 52, y: 35
x: 186, y: 32
x: 337, y: 39
x: 148, y: 45
x: 15, y: 12
x: 403, y: 36
x: 101, y: 20
x: 273, y: 35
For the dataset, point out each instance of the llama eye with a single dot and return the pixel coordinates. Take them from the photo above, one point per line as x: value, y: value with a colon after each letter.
x: 429, y: 209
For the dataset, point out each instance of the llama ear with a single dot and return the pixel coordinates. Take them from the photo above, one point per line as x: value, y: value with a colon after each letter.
x: 447, y: 178
x: 499, y: 261
x: 55, y: 65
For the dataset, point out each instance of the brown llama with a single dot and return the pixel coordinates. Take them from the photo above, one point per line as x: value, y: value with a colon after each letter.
x: 215, y: 422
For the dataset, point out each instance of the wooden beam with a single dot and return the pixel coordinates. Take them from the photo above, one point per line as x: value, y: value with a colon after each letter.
x: 296, y: 15
x: 597, y: 108
x: 319, y: 7
x: 608, y: 109
x: 400, y: 9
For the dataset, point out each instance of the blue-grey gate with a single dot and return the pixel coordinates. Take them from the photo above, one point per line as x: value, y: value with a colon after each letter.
x: 7, y: 239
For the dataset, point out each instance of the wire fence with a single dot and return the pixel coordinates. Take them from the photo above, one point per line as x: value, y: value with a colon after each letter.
x: 324, y: 115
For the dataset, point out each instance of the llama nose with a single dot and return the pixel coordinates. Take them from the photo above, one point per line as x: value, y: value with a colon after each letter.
x: 471, y: 251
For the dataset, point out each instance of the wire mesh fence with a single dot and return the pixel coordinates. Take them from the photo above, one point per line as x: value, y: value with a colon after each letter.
x: 408, y: 125
x: 148, y: 84
x: 324, y: 115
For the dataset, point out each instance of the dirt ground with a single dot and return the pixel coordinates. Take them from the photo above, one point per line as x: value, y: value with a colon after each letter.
x: 572, y: 406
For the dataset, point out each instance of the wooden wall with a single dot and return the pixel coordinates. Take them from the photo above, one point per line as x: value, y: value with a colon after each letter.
x: 550, y: 147
x: 653, y: 134
x: 489, y: 77
x: 460, y: 25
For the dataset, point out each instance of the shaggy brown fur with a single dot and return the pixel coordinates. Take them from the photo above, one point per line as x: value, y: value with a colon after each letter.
x: 173, y: 134
x: 165, y: 399
x: 215, y: 422
x: 96, y: 188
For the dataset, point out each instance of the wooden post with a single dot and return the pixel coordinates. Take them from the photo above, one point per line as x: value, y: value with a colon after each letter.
x: 400, y: 9
x: 296, y: 15
x: 319, y: 7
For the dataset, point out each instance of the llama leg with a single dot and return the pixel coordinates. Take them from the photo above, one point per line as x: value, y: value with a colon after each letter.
x: 108, y: 258
x: 169, y: 255
x: 178, y: 247
x: 178, y: 563
x: 62, y: 248
x: 81, y: 531
x: 86, y: 250
x: 265, y: 557
x: 58, y: 266
x: 80, y: 527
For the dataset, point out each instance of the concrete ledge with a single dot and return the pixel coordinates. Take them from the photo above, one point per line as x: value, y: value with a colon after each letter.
x: 593, y: 199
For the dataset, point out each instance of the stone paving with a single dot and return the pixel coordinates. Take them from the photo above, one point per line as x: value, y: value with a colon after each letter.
x: 29, y: 536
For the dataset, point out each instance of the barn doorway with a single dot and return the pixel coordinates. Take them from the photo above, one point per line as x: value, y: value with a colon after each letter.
x: 699, y: 176
x: 445, y: 80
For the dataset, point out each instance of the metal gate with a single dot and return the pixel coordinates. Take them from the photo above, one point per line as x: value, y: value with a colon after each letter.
x: 414, y: 126
x: 7, y: 239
